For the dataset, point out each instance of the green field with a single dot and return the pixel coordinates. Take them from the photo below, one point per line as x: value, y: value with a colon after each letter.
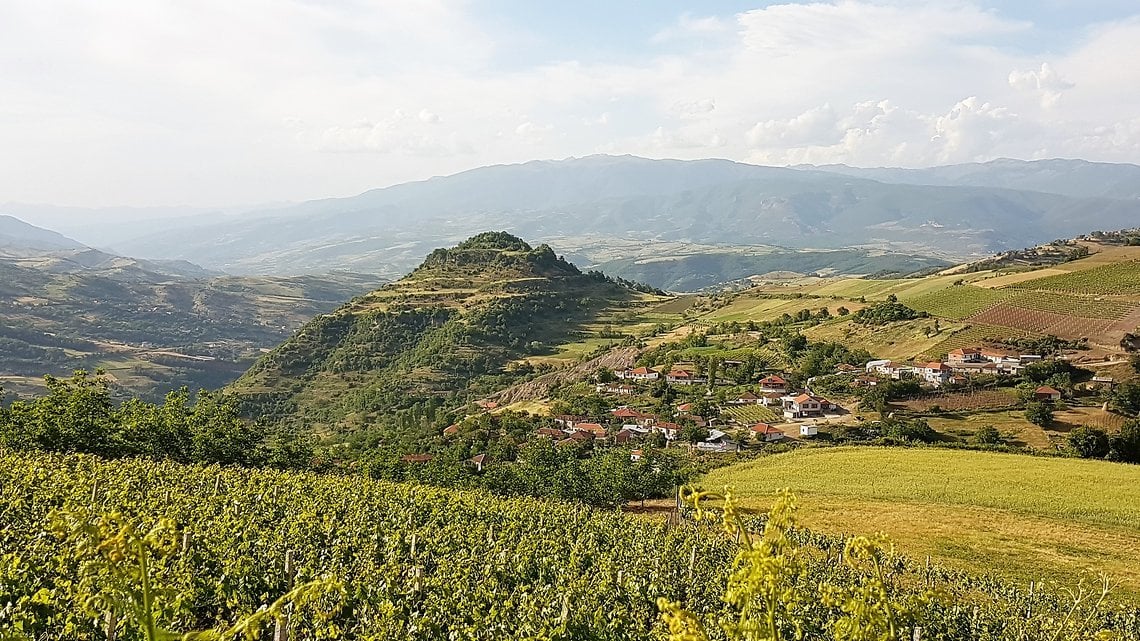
x: 1021, y: 517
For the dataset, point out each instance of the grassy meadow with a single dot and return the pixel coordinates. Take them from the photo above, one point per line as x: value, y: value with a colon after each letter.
x: 1020, y: 517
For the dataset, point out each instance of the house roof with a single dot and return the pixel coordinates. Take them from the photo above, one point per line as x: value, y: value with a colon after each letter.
x: 773, y: 379
x: 684, y: 407
x: 641, y: 371
x: 416, y: 458
x: 748, y: 396
x: 550, y: 431
x: 581, y: 436
x: 635, y: 452
x: 679, y: 373
x: 478, y: 459
x: 1045, y: 389
x: 803, y: 398
x: 665, y: 425
x: 451, y: 429
x: 938, y: 365
x: 764, y: 428
x: 625, y: 412
x: 591, y: 427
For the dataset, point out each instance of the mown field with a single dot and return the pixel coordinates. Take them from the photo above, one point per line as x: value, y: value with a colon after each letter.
x: 1022, y: 517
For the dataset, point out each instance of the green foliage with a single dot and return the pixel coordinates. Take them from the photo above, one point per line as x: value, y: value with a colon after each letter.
x: 1125, y: 446
x: 77, y: 415
x: 1089, y: 442
x: 888, y: 311
x: 1126, y: 398
x: 1039, y: 413
x: 987, y: 435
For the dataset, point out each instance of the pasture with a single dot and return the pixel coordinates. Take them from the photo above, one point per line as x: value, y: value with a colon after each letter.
x: 1020, y: 517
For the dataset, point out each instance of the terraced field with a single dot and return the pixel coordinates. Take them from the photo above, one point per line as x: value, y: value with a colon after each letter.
x: 1069, y: 304
x: 970, y: 401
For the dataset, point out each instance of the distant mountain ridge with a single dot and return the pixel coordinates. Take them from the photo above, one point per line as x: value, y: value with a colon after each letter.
x: 1076, y: 178
x: 18, y: 236
x: 707, y: 202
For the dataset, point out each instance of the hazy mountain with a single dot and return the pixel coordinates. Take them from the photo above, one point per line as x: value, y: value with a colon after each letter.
x: 1078, y: 178
x: 18, y: 236
x: 711, y: 202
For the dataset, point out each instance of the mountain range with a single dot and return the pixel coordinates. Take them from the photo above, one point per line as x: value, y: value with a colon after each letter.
x: 680, y: 225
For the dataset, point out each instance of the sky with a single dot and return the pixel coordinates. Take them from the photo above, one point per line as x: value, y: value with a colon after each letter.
x: 238, y: 102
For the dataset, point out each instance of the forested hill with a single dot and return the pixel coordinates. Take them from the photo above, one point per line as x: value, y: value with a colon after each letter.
x: 445, y: 334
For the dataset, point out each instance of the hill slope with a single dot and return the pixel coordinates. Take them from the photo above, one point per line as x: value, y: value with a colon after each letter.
x: 440, y: 336
x: 151, y: 326
x: 18, y: 236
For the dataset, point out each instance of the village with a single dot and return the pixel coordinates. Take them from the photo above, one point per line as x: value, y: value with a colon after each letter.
x: 795, y: 413
x: 722, y: 416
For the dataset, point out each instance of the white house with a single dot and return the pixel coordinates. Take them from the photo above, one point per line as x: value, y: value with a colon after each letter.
x: 637, y: 374
x: 766, y: 432
x: 802, y: 406
x: 936, y: 373
x: 808, y: 429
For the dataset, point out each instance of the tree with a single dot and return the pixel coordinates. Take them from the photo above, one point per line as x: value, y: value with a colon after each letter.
x: 1126, y: 398
x: 1089, y: 442
x: 694, y: 434
x: 1039, y: 413
x: 988, y: 435
x: 1125, y: 446
x: 604, y: 375
x: 843, y: 311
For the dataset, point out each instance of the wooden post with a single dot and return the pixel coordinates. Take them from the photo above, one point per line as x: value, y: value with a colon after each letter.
x: 112, y: 626
x: 185, y: 542
x: 217, y: 483
x: 94, y: 490
x: 281, y: 628
x: 413, y: 546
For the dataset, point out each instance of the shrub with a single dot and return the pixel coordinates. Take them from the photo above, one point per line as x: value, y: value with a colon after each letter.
x: 1089, y: 442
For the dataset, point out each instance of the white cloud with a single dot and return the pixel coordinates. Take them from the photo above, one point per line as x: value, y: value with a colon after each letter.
x: 1045, y: 82
x: 251, y: 100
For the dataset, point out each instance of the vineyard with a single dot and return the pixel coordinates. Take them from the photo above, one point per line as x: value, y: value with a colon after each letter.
x: 1085, y: 306
x: 958, y: 301
x: 1111, y: 278
x: 1042, y: 322
x: 973, y: 400
x: 98, y: 550
x: 752, y: 414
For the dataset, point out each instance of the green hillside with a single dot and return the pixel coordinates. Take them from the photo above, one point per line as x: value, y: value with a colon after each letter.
x: 439, y: 337
x: 149, y: 329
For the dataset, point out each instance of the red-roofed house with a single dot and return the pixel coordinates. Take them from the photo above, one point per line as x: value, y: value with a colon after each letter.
x: 684, y: 407
x: 936, y: 373
x: 638, y: 374
x: 477, y: 461
x: 680, y: 377
x: 551, y: 432
x: 964, y: 355
x: 670, y: 430
x: 802, y: 406
x: 487, y: 405
x: 593, y: 428
x: 635, y: 455
x: 451, y: 430
x: 1046, y: 393
x: 766, y: 432
x: 773, y: 383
